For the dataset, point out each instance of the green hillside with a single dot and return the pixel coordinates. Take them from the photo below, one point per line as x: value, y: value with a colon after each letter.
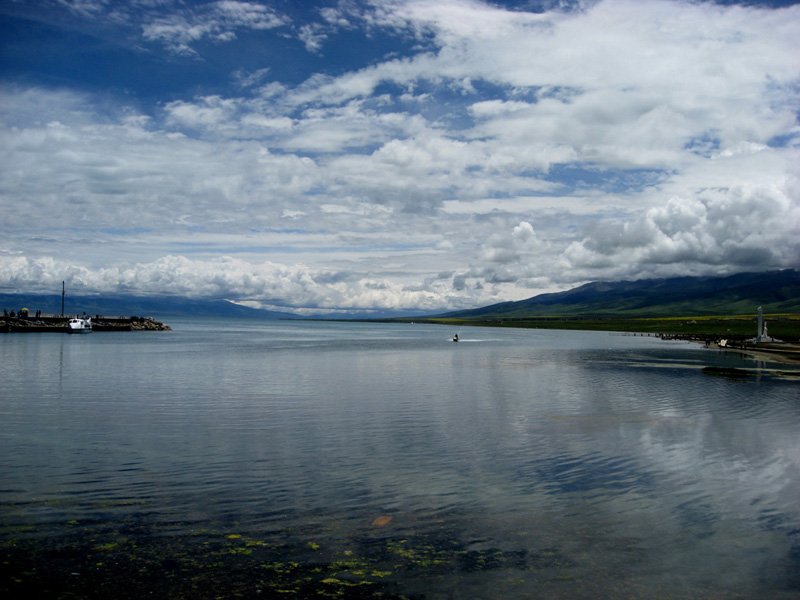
x: 778, y: 292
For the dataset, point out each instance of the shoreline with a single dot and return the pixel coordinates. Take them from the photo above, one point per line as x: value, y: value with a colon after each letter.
x: 687, y: 329
x: 790, y: 354
x: 58, y: 324
x: 736, y: 330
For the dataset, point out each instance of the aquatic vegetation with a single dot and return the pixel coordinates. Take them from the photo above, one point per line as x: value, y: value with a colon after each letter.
x: 493, y: 558
x: 107, y: 546
x: 727, y: 372
x: 122, y: 502
x: 133, y: 559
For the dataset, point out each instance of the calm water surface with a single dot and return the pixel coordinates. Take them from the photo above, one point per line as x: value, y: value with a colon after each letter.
x: 284, y: 459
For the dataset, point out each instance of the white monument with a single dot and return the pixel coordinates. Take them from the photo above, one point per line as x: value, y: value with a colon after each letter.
x: 762, y: 336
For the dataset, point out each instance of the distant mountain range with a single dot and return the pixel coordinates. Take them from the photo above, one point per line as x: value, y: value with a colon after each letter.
x: 140, y: 306
x: 775, y: 291
x: 162, y: 307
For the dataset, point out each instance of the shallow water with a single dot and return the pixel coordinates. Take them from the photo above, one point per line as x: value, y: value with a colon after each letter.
x: 243, y: 458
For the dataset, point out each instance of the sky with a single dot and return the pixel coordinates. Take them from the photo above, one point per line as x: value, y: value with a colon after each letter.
x: 393, y: 155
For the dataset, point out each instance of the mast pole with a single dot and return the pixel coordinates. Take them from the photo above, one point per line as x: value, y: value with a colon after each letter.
x: 63, y: 292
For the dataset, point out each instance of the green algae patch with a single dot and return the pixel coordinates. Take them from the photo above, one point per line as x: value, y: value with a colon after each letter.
x: 424, y: 555
x: 118, y: 503
x: 107, y: 547
x: 726, y: 372
x: 132, y: 560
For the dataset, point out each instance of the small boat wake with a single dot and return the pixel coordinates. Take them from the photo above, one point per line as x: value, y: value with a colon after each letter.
x: 473, y: 340
x: 457, y: 338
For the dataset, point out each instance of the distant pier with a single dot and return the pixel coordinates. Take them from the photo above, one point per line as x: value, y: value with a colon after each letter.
x: 25, y: 323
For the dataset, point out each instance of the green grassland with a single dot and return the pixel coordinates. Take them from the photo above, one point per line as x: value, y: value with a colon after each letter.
x: 784, y: 326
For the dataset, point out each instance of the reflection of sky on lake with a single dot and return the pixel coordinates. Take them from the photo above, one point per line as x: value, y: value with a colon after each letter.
x: 615, y: 453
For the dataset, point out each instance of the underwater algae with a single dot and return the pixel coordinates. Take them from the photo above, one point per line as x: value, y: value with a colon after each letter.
x: 138, y: 560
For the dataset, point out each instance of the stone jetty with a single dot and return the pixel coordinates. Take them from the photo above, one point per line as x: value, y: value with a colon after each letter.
x: 58, y: 323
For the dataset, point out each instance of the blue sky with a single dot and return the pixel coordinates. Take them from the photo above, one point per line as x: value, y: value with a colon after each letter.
x: 395, y: 154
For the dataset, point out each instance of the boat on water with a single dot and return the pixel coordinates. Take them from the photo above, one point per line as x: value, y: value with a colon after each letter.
x: 455, y: 338
x: 78, y: 325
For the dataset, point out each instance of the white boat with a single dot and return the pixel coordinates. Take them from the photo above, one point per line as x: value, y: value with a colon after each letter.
x: 78, y: 325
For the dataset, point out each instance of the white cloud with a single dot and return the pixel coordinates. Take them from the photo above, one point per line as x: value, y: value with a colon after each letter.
x: 116, y: 174
x: 207, y: 113
x: 215, y: 20
x: 295, y: 287
x: 511, y: 151
x: 85, y: 7
x: 744, y: 226
x: 622, y: 84
x: 247, y: 79
x: 454, y: 21
x: 313, y: 36
x: 521, y: 244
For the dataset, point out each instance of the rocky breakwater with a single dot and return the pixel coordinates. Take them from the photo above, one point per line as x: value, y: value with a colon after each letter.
x: 134, y: 324
x: 58, y: 324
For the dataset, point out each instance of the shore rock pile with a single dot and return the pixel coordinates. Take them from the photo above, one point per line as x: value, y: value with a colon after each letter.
x: 6, y: 322
x: 148, y: 324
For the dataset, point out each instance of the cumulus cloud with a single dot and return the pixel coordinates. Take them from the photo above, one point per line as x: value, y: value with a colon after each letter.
x: 739, y: 228
x: 512, y: 248
x: 644, y: 80
x: 492, y: 153
x: 264, y: 284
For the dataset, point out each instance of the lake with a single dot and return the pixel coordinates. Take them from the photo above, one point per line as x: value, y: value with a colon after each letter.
x: 283, y: 459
